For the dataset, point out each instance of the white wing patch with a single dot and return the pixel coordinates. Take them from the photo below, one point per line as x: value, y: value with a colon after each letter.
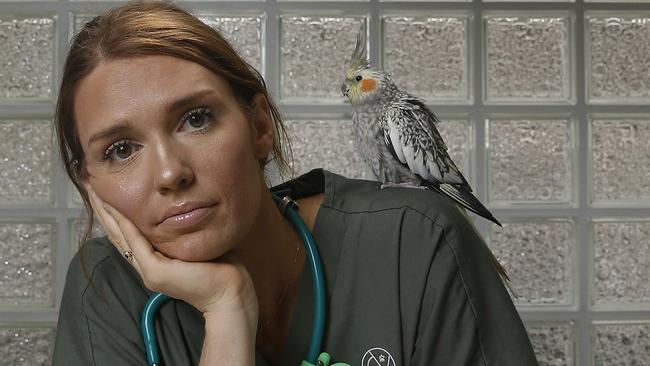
x: 396, y: 142
x: 433, y: 168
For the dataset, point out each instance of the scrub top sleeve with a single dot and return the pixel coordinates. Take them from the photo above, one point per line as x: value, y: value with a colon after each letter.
x: 466, y: 316
x: 98, y: 323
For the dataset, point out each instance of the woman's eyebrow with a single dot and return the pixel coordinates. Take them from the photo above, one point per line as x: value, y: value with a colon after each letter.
x: 106, y: 133
x: 122, y: 126
x: 179, y: 103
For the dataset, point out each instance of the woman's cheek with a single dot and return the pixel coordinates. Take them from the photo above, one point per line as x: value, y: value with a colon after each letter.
x: 132, y: 201
x: 128, y: 199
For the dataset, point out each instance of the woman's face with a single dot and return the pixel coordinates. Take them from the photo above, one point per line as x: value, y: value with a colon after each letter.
x: 168, y: 146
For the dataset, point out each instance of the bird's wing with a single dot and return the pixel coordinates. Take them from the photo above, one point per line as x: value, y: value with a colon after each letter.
x: 412, y: 137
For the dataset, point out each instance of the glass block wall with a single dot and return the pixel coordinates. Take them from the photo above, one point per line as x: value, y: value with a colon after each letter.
x: 544, y: 107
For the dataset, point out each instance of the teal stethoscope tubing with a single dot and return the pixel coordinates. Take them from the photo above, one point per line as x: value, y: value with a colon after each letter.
x: 147, y: 326
x: 318, y: 326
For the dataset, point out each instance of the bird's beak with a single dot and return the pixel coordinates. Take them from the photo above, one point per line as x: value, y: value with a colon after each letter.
x: 345, y: 89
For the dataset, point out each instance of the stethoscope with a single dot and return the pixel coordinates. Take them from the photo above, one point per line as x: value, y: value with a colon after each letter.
x: 286, y: 206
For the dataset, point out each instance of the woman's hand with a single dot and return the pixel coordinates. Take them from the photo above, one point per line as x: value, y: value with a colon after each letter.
x: 222, y: 285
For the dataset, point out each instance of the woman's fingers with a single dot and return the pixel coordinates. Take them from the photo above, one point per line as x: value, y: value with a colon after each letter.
x: 112, y: 229
x: 142, y: 250
x: 115, y: 234
x: 153, y: 266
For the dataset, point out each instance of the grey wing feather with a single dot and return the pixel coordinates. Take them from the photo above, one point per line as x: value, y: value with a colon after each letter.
x: 413, y: 139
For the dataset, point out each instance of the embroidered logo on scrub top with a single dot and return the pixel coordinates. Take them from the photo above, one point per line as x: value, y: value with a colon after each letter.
x: 377, y: 357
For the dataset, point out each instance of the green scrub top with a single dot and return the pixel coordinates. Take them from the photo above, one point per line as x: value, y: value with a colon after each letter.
x: 409, y: 282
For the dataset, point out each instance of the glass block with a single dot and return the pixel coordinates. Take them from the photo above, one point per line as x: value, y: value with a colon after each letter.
x: 621, y: 156
x: 244, y: 33
x: 527, y: 59
x: 621, y: 344
x: 26, y: 263
x: 26, y: 61
x: 553, y: 343
x: 25, y: 161
x: 455, y: 133
x: 529, y: 160
x: 314, y: 54
x: 328, y: 144
x: 618, y: 68
x: 27, y: 346
x: 437, y: 47
x: 538, y: 258
x: 74, y: 197
x: 621, y: 263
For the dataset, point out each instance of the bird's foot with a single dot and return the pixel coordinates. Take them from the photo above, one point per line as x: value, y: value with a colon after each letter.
x: 401, y: 185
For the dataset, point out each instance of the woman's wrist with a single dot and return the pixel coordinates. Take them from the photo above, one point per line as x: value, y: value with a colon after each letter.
x: 230, y: 337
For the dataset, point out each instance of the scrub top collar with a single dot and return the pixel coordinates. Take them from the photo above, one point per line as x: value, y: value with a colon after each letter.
x: 308, y: 184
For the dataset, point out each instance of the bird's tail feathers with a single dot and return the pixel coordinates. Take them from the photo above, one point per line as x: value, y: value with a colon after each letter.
x: 462, y: 196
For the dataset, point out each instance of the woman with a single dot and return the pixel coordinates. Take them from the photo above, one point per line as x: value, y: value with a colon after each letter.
x: 166, y: 133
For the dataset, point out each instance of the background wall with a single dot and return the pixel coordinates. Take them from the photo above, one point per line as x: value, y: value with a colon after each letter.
x: 545, y: 107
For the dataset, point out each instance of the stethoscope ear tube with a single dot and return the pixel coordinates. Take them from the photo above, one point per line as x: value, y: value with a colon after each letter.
x: 318, y: 279
x: 147, y: 327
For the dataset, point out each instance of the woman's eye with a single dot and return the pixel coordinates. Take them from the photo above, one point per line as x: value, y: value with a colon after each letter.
x: 119, y: 151
x: 198, y: 118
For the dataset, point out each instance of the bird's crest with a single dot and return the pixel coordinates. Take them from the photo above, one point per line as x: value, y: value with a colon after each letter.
x: 359, y: 59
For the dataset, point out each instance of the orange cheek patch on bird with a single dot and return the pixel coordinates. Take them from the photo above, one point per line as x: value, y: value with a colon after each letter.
x: 368, y: 85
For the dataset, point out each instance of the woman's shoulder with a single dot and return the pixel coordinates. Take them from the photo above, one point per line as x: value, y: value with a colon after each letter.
x: 419, y: 223
x: 366, y: 196
x: 97, y: 264
x: 99, y: 308
x: 95, y: 250
x: 93, y: 254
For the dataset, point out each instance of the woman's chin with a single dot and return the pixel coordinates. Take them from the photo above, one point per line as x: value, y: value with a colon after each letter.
x: 193, y: 248
x: 191, y: 254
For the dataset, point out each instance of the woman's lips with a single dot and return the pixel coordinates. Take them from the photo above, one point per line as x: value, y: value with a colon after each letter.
x: 187, y: 219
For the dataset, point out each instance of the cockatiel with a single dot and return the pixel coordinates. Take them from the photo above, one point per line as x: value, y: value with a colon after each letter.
x: 398, y: 138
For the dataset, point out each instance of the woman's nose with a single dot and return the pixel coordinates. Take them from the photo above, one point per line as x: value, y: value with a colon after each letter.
x: 174, y: 170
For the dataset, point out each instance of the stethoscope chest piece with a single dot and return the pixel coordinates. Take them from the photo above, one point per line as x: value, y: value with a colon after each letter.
x: 323, y: 360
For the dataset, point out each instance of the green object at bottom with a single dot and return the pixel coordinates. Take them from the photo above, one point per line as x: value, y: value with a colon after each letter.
x: 323, y: 360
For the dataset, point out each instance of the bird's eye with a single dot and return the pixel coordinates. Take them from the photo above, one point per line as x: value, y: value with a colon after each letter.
x: 359, y: 77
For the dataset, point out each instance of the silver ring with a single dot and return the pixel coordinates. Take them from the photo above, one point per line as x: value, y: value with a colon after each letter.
x: 128, y: 255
